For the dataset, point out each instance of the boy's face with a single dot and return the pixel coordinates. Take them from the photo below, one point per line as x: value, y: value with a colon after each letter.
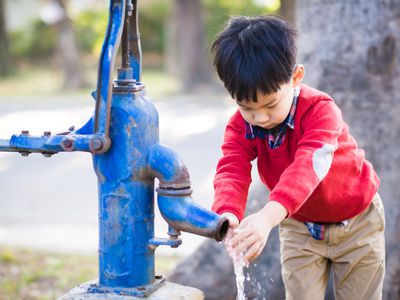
x: 272, y: 109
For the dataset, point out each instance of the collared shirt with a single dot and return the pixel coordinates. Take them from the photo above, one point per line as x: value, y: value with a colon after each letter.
x: 317, y: 230
x: 274, y: 141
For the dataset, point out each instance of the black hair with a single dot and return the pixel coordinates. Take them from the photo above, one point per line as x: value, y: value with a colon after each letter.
x: 254, y: 54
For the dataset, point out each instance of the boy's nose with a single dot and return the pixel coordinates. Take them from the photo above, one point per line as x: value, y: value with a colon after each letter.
x: 260, y: 118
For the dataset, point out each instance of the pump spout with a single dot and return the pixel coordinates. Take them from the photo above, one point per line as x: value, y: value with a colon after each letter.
x: 174, y: 197
x: 183, y: 214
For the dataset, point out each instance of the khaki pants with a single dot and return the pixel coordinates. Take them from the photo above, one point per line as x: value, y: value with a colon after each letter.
x: 355, y: 252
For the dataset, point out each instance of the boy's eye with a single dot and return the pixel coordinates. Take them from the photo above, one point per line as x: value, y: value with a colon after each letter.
x: 272, y: 106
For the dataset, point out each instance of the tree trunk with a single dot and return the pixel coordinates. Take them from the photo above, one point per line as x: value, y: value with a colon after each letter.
x: 351, y: 49
x: 287, y: 10
x: 172, y: 61
x: 69, y: 54
x: 186, y: 50
x: 5, y: 64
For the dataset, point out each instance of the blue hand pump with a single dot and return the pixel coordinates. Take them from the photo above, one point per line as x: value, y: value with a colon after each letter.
x: 123, y: 137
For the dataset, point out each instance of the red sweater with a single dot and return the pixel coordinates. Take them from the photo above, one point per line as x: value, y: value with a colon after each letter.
x: 317, y: 173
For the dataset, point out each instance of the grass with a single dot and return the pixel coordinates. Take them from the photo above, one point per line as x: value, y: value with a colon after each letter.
x: 32, y: 81
x: 37, y: 275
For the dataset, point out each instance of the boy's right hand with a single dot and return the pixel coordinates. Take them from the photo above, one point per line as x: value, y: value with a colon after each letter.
x: 233, y: 223
x: 233, y: 220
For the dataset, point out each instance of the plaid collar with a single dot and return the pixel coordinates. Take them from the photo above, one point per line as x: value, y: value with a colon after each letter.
x: 252, y: 132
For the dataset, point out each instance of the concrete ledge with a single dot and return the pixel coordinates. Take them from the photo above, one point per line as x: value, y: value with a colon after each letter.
x: 169, y: 291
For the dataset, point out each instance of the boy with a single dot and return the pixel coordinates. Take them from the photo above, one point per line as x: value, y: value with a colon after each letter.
x: 323, y: 191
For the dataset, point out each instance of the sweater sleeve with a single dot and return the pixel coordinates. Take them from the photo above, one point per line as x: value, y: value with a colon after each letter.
x: 233, y: 175
x: 322, y: 126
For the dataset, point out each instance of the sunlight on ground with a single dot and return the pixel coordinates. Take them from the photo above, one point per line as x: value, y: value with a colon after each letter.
x: 38, y: 121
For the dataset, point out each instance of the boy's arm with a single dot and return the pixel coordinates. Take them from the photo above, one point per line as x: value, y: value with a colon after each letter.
x: 233, y: 175
x: 322, y: 126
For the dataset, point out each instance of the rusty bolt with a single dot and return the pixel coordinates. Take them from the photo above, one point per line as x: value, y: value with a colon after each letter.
x: 25, y: 153
x: 68, y: 144
x: 47, y: 133
x: 72, y: 128
x: 47, y: 154
x: 26, y: 132
x: 97, y: 144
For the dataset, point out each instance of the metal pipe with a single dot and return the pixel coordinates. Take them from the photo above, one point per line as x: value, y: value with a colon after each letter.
x: 125, y: 45
x: 135, y: 47
x: 183, y: 214
x: 174, y: 197
x: 167, y: 166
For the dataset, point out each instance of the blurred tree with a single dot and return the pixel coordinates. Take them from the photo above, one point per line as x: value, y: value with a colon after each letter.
x: 191, y: 26
x: 186, y: 51
x: 5, y: 64
x: 287, y: 10
x: 68, y: 50
x: 55, y: 13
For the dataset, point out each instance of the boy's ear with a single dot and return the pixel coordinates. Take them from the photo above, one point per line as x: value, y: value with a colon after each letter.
x: 298, y: 75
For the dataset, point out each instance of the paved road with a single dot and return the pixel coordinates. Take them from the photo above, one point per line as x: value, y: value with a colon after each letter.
x: 51, y: 203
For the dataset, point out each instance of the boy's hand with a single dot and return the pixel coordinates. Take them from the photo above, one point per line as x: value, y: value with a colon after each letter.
x: 233, y: 220
x: 233, y: 223
x: 251, y: 236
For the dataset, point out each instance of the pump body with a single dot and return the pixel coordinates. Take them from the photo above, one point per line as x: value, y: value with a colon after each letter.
x: 123, y: 137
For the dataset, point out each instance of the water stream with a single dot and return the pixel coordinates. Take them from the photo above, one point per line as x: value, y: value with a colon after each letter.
x: 238, y: 265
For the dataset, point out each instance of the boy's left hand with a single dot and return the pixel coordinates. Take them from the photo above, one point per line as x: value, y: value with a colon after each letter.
x: 251, y: 236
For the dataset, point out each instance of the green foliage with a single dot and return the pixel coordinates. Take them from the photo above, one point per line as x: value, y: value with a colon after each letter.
x: 152, y: 25
x: 217, y: 12
x: 38, y: 41
x: 90, y: 28
x: 34, y: 42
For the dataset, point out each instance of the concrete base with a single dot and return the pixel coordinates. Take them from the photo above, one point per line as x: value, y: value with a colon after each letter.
x: 169, y: 291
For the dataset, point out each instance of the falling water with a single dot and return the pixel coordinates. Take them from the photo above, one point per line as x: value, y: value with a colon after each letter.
x: 238, y: 264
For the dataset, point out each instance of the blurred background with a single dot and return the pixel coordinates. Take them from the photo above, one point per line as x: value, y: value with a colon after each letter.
x: 61, y: 40
x: 48, y: 68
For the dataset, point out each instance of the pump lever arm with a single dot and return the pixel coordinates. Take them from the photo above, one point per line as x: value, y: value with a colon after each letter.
x: 108, y: 55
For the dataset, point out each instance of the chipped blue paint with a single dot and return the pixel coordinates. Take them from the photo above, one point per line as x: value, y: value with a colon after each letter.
x: 126, y: 193
x: 123, y: 136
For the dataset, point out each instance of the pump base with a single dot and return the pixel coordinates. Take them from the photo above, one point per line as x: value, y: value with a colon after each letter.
x: 166, y: 292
